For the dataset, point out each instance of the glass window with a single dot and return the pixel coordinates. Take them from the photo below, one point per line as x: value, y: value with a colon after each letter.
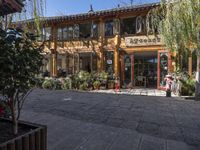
x: 85, y: 30
x: 47, y: 33
x: 109, y: 55
x: 109, y: 28
x: 60, y: 34
x: 94, y: 30
x: 128, y: 26
x: 65, y: 35
x: 76, y: 31
x: 70, y: 32
x: 140, y: 24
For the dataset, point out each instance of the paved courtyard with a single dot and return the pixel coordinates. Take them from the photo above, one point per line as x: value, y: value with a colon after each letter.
x: 136, y: 91
x: 99, y: 121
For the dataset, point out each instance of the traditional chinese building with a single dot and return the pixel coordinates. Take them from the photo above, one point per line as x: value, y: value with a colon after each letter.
x: 10, y: 6
x: 113, y: 40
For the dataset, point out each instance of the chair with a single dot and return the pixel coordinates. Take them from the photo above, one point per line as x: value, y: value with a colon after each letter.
x: 142, y: 81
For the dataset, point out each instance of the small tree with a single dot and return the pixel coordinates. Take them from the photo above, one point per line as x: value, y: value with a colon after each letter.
x: 20, y: 61
x: 179, y: 24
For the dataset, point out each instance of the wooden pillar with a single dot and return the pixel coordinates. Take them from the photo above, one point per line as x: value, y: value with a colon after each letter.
x: 101, y: 44
x: 116, y: 61
x: 122, y: 69
x: 53, y: 63
x: 170, y: 68
x: 67, y: 63
x: 190, y: 63
x: 117, y: 46
x: 91, y: 61
x: 54, y: 52
x: 73, y: 63
x: 132, y: 70
x: 78, y: 67
x: 158, y: 71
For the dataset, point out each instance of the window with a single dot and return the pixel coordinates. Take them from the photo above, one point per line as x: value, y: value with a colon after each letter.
x: 45, y: 34
x: 109, y: 28
x: 128, y: 26
x: 140, y: 24
x: 109, y: 65
x: 76, y: 31
x: 65, y: 35
x: 94, y: 29
x: 70, y: 32
x: 85, y: 30
x: 60, y: 34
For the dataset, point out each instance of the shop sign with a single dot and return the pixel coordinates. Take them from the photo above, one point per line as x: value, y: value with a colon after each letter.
x: 109, y: 62
x: 143, y: 40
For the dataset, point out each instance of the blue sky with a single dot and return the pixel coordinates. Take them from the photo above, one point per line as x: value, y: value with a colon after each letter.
x: 66, y: 7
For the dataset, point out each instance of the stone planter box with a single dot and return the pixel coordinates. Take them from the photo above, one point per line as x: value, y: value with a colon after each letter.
x: 35, y: 139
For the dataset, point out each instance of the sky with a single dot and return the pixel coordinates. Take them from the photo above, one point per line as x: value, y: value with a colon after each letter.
x: 68, y: 7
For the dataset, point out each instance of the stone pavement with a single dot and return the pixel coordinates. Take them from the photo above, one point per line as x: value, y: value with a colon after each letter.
x: 98, y: 121
x: 136, y: 91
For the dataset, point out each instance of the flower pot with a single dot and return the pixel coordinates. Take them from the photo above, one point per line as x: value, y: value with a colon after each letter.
x: 111, y: 85
x: 34, y: 137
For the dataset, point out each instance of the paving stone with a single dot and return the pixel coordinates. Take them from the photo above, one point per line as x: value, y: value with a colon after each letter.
x: 85, y: 120
x: 152, y: 143
x: 175, y: 145
x: 148, y: 128
x: 130, y: 124
x: 126, y: 140
x: 100, y: 141
x: 173, y: 133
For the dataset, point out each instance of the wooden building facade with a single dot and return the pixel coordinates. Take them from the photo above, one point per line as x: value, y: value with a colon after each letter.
x: 113, y: 40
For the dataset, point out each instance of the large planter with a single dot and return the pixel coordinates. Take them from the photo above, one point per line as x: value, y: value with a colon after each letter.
x: 111, y: 85
x: 34, y: 139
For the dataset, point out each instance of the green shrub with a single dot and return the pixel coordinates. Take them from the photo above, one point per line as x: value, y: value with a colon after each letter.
x: 57, y: 84
x: 84, y: 76
x: 83, y: 86
x: 188, y: 87
x: 75, y: 81
x: 96, y: 84
x: 48, y: 84
x: 66, y: 84
x: 39, y: 82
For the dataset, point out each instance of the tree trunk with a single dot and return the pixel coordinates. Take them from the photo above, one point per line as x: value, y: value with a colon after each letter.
x: 197, y: 91
x: 14, y: 118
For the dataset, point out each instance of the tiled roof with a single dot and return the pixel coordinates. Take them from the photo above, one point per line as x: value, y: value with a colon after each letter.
x: 10, y: 6
x: 108, y: 12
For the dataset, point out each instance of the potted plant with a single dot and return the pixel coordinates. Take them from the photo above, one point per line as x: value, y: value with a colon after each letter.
x: 96, y: 84
x: 83, y: 86
x: 111, y: 84
x: 20, y: 63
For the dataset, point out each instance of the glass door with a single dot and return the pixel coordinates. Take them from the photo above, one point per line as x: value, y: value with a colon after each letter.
x: 127, y: 69
x: 163, y: 68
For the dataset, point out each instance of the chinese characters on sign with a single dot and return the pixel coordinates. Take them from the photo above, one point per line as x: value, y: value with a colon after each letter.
x: 143, y: 40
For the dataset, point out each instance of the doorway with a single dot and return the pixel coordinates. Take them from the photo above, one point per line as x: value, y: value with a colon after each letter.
x: 145, y: 69
x: 140, y: 69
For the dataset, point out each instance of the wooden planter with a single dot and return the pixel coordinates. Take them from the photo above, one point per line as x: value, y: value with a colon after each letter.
x: 111, y: 85
x: 35, y: 139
